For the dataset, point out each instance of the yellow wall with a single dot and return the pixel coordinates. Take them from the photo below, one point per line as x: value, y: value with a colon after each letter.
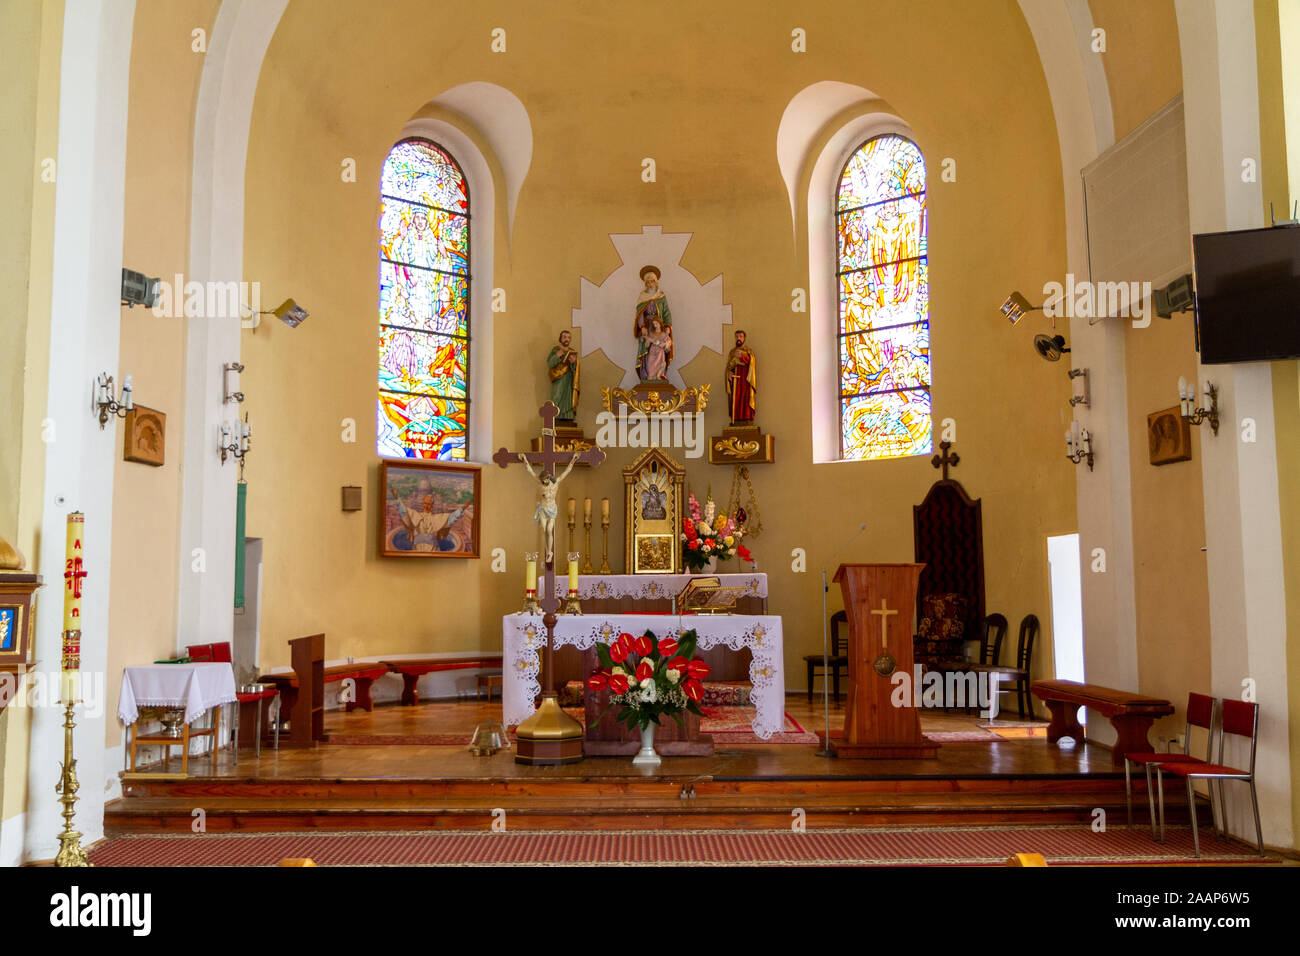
x: 155, y: 241
x: 29, y: 125
x: 702, y: 90
x: 1142, y: 61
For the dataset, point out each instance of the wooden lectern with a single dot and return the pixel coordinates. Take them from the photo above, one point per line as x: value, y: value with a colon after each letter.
x: 307, y: 714
x: 879, y: 600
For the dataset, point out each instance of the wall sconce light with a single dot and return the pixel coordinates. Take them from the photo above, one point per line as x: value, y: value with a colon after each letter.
x: 106, y: 404
x: 351, y: 497
x: 230, y: 396
x: 1187, y: 404
x: 1083, y: 399
x: 1078, y: 444
x: 1017, y: 306
x: 235, y: 441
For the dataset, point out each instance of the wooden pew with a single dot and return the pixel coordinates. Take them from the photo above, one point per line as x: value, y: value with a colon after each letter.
x: 412, y: 669
x: 364, y: 673
x: 1130, y: 714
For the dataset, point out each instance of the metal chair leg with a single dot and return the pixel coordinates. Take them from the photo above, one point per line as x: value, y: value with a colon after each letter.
x: 1254, y: 802
x: 257, y: 731
x: 1128, y: 791
x: 1160, y: 786
x: 1151, y: 803
x: 1191, y: 812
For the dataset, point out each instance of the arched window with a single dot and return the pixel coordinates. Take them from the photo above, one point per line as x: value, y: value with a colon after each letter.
x: 884, y: 302
x: 424, y: 333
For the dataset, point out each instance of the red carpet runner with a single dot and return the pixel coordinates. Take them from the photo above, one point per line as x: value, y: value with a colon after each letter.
x: 1060, y: 845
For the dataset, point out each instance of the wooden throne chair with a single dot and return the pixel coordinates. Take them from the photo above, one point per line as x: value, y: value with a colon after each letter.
x: 949, y: 540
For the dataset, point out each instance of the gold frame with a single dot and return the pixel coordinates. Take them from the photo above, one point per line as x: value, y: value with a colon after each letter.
x: 655, y: 468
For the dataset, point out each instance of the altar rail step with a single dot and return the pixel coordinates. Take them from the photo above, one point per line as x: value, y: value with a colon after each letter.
x: 707, y: 810
x: 194, y: 788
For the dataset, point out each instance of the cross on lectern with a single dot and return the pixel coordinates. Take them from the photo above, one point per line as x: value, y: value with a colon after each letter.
x: 884, y: 613
x: 945, y: 459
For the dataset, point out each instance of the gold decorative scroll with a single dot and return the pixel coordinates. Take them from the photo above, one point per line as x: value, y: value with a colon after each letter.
x: 736, y: 448
x: 653, y: 404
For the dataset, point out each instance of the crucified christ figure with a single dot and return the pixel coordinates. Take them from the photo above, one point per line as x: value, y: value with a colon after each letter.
x: 544, y: 516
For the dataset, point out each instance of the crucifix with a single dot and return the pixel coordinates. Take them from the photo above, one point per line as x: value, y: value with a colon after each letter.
x: 884, y: 613
x: 945, y: 460
x: 546, y: 737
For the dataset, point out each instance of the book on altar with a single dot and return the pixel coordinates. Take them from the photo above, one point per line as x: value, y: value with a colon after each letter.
x: 707, y: 595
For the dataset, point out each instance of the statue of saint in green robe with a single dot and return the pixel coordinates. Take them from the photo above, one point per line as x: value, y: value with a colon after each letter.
x: 562, y: 369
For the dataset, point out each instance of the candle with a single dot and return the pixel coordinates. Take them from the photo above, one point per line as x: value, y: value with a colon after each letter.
x: 586, y: 511
x: 1069, y: 441
x: 573, y: 575
x: 127, y: 403
x: 72, y: 577
x: 530, y: 575
x: 573, y: 510
x: 604, y: 510
x: 225, y: 435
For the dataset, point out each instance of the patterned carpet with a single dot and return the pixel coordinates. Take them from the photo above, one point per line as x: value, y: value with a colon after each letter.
x: 893, y: 846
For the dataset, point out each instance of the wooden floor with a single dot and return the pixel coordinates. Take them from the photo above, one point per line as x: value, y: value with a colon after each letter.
x: 337, y: 786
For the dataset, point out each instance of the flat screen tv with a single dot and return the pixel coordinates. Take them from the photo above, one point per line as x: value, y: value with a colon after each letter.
x: 1248, y: 295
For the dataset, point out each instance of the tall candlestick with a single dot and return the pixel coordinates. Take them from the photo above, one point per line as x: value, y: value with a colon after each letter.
x: 586, y: 510
x: 604, y: 510
x: 73, y: 573
x: 573, y: 510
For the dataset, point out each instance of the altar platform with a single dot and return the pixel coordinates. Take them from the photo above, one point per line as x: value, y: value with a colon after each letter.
x: 418, y: 785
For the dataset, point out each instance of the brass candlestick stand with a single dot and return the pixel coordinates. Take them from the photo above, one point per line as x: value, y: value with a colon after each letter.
x: 571, y: 605
x: 604, y: 547
x: 70, y: 851
x: 586, y: 567
x: 530, y: 595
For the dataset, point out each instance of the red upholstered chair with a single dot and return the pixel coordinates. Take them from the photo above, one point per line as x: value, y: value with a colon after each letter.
x: 1201, y: 712
x: 1240, y: 719
x: 199, y: 653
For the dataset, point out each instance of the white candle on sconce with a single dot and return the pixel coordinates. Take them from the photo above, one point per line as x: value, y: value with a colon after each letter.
x: 127, y: 391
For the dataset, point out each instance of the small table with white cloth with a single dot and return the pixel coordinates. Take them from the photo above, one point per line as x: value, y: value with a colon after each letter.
x: 193, y: 688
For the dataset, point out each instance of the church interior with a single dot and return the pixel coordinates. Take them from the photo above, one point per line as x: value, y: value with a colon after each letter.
x: 676, y: 500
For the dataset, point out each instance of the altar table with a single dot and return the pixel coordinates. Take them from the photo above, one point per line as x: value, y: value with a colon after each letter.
x: 524, y: 638
x: 653, y: 587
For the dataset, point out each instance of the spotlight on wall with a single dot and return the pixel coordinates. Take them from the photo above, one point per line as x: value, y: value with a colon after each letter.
x: 1017, y: 306
x: 1050, y: 347
x: 139, y: 289
x: 1178, y: 296
x: 291, y: 313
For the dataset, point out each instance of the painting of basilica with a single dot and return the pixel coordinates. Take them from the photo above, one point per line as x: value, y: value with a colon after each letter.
x: 429, y: 510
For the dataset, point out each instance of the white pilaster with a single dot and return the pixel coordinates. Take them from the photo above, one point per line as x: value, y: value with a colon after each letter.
x: 84, y: 330
x: 1242, y: 512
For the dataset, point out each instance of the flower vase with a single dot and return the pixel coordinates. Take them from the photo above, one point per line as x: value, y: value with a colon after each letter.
x: 712, y: 565
x: 646, y: 756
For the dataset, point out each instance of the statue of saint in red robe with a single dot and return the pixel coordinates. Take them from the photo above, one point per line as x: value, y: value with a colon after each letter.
x: 742, y: 382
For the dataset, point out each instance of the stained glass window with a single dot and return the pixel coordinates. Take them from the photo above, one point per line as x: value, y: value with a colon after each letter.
x: 884, y: 302
x: 424, y: 338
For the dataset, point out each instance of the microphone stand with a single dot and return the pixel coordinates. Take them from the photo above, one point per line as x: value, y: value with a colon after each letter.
x: 826, y: 670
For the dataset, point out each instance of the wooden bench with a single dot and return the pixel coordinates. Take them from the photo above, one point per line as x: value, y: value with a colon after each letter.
x: 363, y: 673
x: 1130, y: 714
x: 412, y: 669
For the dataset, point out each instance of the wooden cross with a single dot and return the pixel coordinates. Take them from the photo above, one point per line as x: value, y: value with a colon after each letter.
x: 945, y: 460
x: 884, y: 613
x: 547, y: 459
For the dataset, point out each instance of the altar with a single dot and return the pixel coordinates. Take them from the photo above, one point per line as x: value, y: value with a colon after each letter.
x: 524, y: 636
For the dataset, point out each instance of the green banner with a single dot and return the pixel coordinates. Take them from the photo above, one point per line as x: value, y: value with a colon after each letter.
x: 241, y: 502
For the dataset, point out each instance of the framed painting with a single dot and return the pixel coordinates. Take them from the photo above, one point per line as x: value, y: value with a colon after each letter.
x: 1169, y: 437
x: 146, y: 436
x: 428, y: 509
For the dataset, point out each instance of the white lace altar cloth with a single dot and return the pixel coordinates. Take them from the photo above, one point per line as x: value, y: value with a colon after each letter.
x: 196, y: 687
x: 524, y: 639
x: 652, y: 587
